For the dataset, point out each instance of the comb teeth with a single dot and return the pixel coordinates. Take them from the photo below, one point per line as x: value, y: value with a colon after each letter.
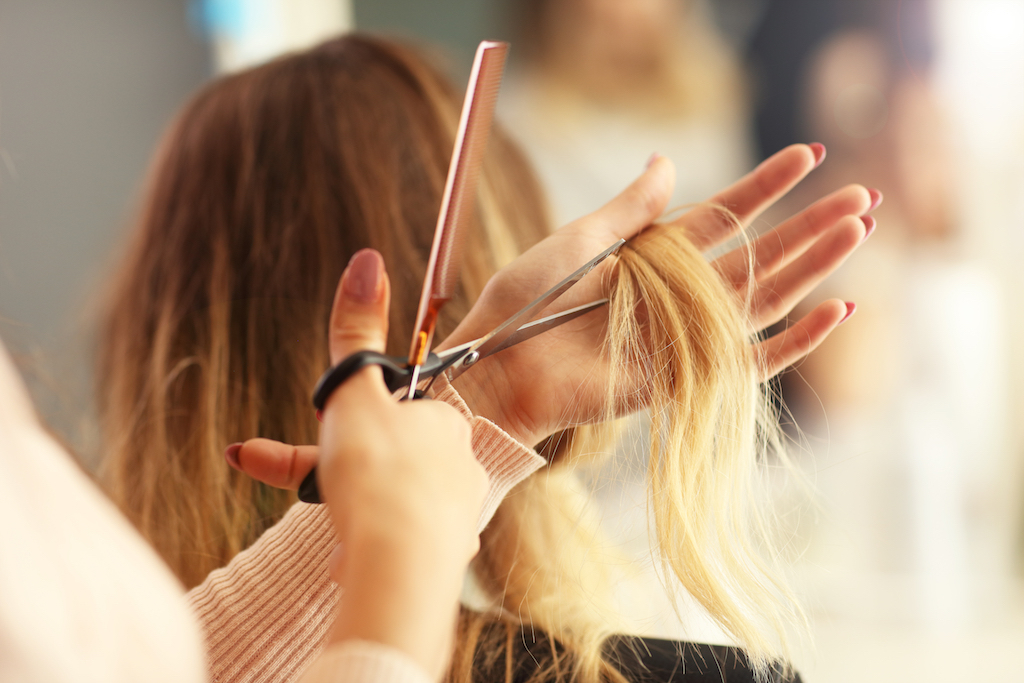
x: 459, y: 199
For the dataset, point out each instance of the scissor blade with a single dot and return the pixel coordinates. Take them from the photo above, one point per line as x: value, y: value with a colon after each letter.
x: 487, y: 344
x: 531, y: 330
x: 462, y: 360
x: 459, y: 197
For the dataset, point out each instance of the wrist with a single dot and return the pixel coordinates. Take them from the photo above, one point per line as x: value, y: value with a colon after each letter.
x: 486, y: 392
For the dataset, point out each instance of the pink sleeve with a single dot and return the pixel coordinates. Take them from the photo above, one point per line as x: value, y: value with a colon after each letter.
x: 361, y: 661
x: 267, y: 613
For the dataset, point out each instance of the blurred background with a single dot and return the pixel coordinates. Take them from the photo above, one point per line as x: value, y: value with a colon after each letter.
x: 911, y: 417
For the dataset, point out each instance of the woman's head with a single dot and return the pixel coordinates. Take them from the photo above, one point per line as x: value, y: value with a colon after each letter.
x: 215, y: 328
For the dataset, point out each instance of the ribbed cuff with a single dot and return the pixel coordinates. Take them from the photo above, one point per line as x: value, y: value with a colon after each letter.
x: 363, y: 661
x: 446, y: 393
x: 506, y: 461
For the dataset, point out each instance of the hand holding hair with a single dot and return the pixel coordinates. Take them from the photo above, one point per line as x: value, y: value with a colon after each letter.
x: 403, y: 488
x: 774, y: 273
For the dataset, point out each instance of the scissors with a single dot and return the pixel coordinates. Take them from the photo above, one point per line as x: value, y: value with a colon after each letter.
x: 442, y: 270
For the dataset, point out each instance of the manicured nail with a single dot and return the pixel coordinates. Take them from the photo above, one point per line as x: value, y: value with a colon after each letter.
x: 876, y: 198
x: 654, y: 157
x: 819, y: 153
x: 361, y: 281
x: 231, y: 455
x: 850, y: 308
x: 869, y: 224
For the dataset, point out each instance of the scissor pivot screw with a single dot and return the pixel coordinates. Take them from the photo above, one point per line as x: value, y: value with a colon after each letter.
x: 471, y: 358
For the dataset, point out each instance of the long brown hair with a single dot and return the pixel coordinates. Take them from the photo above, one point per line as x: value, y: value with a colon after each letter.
x: 215, y: 324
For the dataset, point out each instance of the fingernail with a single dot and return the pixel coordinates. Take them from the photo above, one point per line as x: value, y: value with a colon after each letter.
x: 819, y: 153
x: 869, y: 223
x: 319, y: 416
x: 231, y: 455
x: 876, y: 198
x: 654, y: 157
x: 850, y: 308
x: 361, y: 281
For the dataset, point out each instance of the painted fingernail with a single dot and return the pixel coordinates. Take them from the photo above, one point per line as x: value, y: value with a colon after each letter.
x: 654, y: 157
x: 361, y: 281
x: 869, y: 224
x: 231, y: 455
x: 319, y: 416
x: 819, y: 153
x: 850, y: 309
x: 876, y: 198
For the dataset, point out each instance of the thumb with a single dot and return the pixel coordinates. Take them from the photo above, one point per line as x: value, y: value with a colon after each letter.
x: 359, y: 322
x: 641, y: 203
x: 359, y: 317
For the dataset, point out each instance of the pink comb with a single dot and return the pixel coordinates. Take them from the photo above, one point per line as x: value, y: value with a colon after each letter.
x: 459, y: 197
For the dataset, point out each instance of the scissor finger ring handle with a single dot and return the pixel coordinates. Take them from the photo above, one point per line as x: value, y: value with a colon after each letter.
x: 396, y: 375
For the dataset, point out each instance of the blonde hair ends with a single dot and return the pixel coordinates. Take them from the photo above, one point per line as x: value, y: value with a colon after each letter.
x: 675, y: 324
x: 711, y: 424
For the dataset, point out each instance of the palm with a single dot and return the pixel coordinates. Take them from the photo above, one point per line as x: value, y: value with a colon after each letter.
x: 557, y: 378
x: 545, y: 376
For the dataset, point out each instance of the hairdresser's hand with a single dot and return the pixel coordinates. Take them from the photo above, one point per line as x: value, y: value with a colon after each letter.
x: 567, y: 362
x: 780, y: 268
x: 787, y: 263
x: 403, y: 488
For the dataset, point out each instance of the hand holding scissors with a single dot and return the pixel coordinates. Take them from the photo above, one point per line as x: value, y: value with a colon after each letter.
x: 403, y: 488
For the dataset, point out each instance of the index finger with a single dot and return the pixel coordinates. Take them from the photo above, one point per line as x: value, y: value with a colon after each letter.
x: 746, y: 199
x: 274, y: 463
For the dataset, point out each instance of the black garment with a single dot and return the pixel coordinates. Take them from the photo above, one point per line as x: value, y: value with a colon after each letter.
x: 641, y: 660
x: 651, y: 660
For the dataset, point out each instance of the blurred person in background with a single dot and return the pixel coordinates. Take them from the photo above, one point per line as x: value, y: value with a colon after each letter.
x: 905, y: 412
x: 603, y: 84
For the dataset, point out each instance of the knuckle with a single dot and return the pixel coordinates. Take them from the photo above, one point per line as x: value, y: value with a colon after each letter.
x: 769, y: 302
x: 644, y: 200
x: 351, y: 334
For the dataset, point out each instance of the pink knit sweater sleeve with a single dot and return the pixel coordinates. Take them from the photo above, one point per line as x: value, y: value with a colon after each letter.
x: 361, y: 661
x: 266, y: 615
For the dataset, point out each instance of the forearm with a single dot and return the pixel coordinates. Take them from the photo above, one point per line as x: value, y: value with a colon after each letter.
x: 270, y: 609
